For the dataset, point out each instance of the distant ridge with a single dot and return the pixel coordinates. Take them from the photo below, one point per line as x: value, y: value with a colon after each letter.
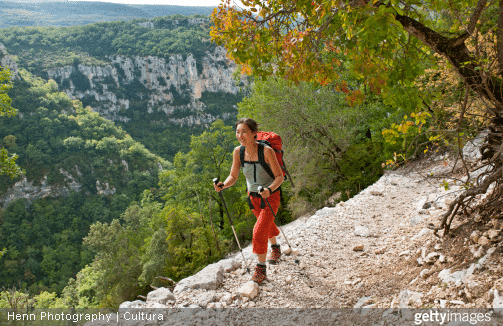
x: 61, y: 13
x: 164, y: 10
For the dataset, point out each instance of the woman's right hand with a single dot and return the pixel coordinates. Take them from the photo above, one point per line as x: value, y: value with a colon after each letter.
x: 218, y: 186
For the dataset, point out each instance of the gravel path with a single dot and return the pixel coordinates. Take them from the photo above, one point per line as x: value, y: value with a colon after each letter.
x: 364, y: 247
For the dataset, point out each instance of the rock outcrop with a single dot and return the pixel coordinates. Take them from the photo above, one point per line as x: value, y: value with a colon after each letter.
x: 31, y: 191
x: 170, y: 86
x: 8, y: 62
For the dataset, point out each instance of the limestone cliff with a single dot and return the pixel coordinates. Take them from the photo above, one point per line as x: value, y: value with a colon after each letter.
x: 7, y: 62
x: 155, y: 84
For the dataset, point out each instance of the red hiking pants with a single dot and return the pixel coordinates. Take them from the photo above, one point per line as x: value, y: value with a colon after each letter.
x: 264, y: 228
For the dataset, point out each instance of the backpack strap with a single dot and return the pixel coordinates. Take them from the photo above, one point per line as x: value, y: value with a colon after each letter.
x: 261, y: 160
x: 242, y: 156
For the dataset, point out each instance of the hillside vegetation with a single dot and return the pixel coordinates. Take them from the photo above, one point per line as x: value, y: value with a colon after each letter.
x: 74, y: 13
x: 95, y: 166
x: 39, y: 48
x: 84, y: 174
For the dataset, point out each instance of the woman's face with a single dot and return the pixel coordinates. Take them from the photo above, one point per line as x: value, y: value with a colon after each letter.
x: 244, y: 135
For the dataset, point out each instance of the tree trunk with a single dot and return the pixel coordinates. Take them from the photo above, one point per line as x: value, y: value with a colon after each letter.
x: 486, y: 86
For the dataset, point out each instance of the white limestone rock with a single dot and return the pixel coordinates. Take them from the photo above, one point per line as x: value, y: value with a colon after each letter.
x: 416, y: 219
x: 406, y: 298
x: 362, y: 231
x: 230, y: 265
x: 132, y: 304
x: 160, y: 295
x: 498, y: 302
x: 431, y: 257
x: 209, y: 278
x: 249, y: 290
x: 362, y: 302
x: 205, y: 298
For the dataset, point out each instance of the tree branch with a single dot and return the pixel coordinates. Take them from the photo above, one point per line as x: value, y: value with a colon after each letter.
x: 481, y: 5
x: 460, y: 57
x: 499, y: 38
x: 454, y: 206
x: 458, y: 129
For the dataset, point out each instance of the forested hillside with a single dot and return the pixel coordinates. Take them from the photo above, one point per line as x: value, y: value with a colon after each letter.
x: 74, y: 13
x: 152, y: 77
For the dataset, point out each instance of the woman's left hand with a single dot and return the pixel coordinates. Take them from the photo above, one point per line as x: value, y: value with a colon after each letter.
x: 265, y: 193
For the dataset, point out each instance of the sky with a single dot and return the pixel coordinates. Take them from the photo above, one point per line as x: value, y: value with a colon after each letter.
x: 208, y: 3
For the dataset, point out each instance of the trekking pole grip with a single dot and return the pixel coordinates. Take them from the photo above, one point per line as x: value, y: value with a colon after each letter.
x: 215, y: 182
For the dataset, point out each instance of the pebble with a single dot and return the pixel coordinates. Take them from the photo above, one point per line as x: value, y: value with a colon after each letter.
x: 483, y: 241
x: 475, y: 236
x: 425, y: 273
x: 358, y: 247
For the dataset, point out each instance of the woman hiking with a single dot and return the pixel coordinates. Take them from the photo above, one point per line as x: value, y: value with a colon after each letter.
x: 256, y: 175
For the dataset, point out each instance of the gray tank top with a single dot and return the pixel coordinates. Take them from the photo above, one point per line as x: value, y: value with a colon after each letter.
x: 256, y: 176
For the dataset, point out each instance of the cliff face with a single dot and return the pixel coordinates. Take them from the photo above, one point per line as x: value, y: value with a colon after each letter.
x: 151, y: 83
x: 7, y: 62
x: 30, y: 190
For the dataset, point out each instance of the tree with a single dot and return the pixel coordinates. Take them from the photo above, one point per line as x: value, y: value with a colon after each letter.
x: 387, y: 44
x: 125, y: 262
x: 5, y: 102
x: 118, y: 258
x: 7, y: 163
x: 293, y: 38
x: 9, y: 141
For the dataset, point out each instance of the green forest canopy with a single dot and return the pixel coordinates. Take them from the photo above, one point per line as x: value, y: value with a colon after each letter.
x: 170, y: 35
x: 72, y: 13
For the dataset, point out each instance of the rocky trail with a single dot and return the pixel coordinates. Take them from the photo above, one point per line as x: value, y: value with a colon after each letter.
x: 372, y: 251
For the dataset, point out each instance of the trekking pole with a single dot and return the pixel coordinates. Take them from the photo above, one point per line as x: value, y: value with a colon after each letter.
x: 260, y: 189
x: 215, y: 181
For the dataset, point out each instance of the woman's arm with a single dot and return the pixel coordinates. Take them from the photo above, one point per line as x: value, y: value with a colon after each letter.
x: 270, y: 158
x: 233, y: 175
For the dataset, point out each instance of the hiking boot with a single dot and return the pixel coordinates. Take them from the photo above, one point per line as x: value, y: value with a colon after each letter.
x: 275, y: 254
x: 260, y: 274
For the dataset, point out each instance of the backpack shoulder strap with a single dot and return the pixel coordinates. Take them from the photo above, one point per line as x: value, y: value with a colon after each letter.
x: 242, y: 156
x: 261, y: 160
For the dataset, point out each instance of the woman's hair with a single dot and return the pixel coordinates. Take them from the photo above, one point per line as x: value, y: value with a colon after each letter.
x: 252, y: 124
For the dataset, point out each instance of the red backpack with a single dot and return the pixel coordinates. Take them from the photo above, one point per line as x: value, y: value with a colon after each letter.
x: 274, y: 141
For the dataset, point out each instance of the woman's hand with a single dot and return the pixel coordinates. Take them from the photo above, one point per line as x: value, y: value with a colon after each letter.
x: 265, y: 193
x: 218, y: 186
